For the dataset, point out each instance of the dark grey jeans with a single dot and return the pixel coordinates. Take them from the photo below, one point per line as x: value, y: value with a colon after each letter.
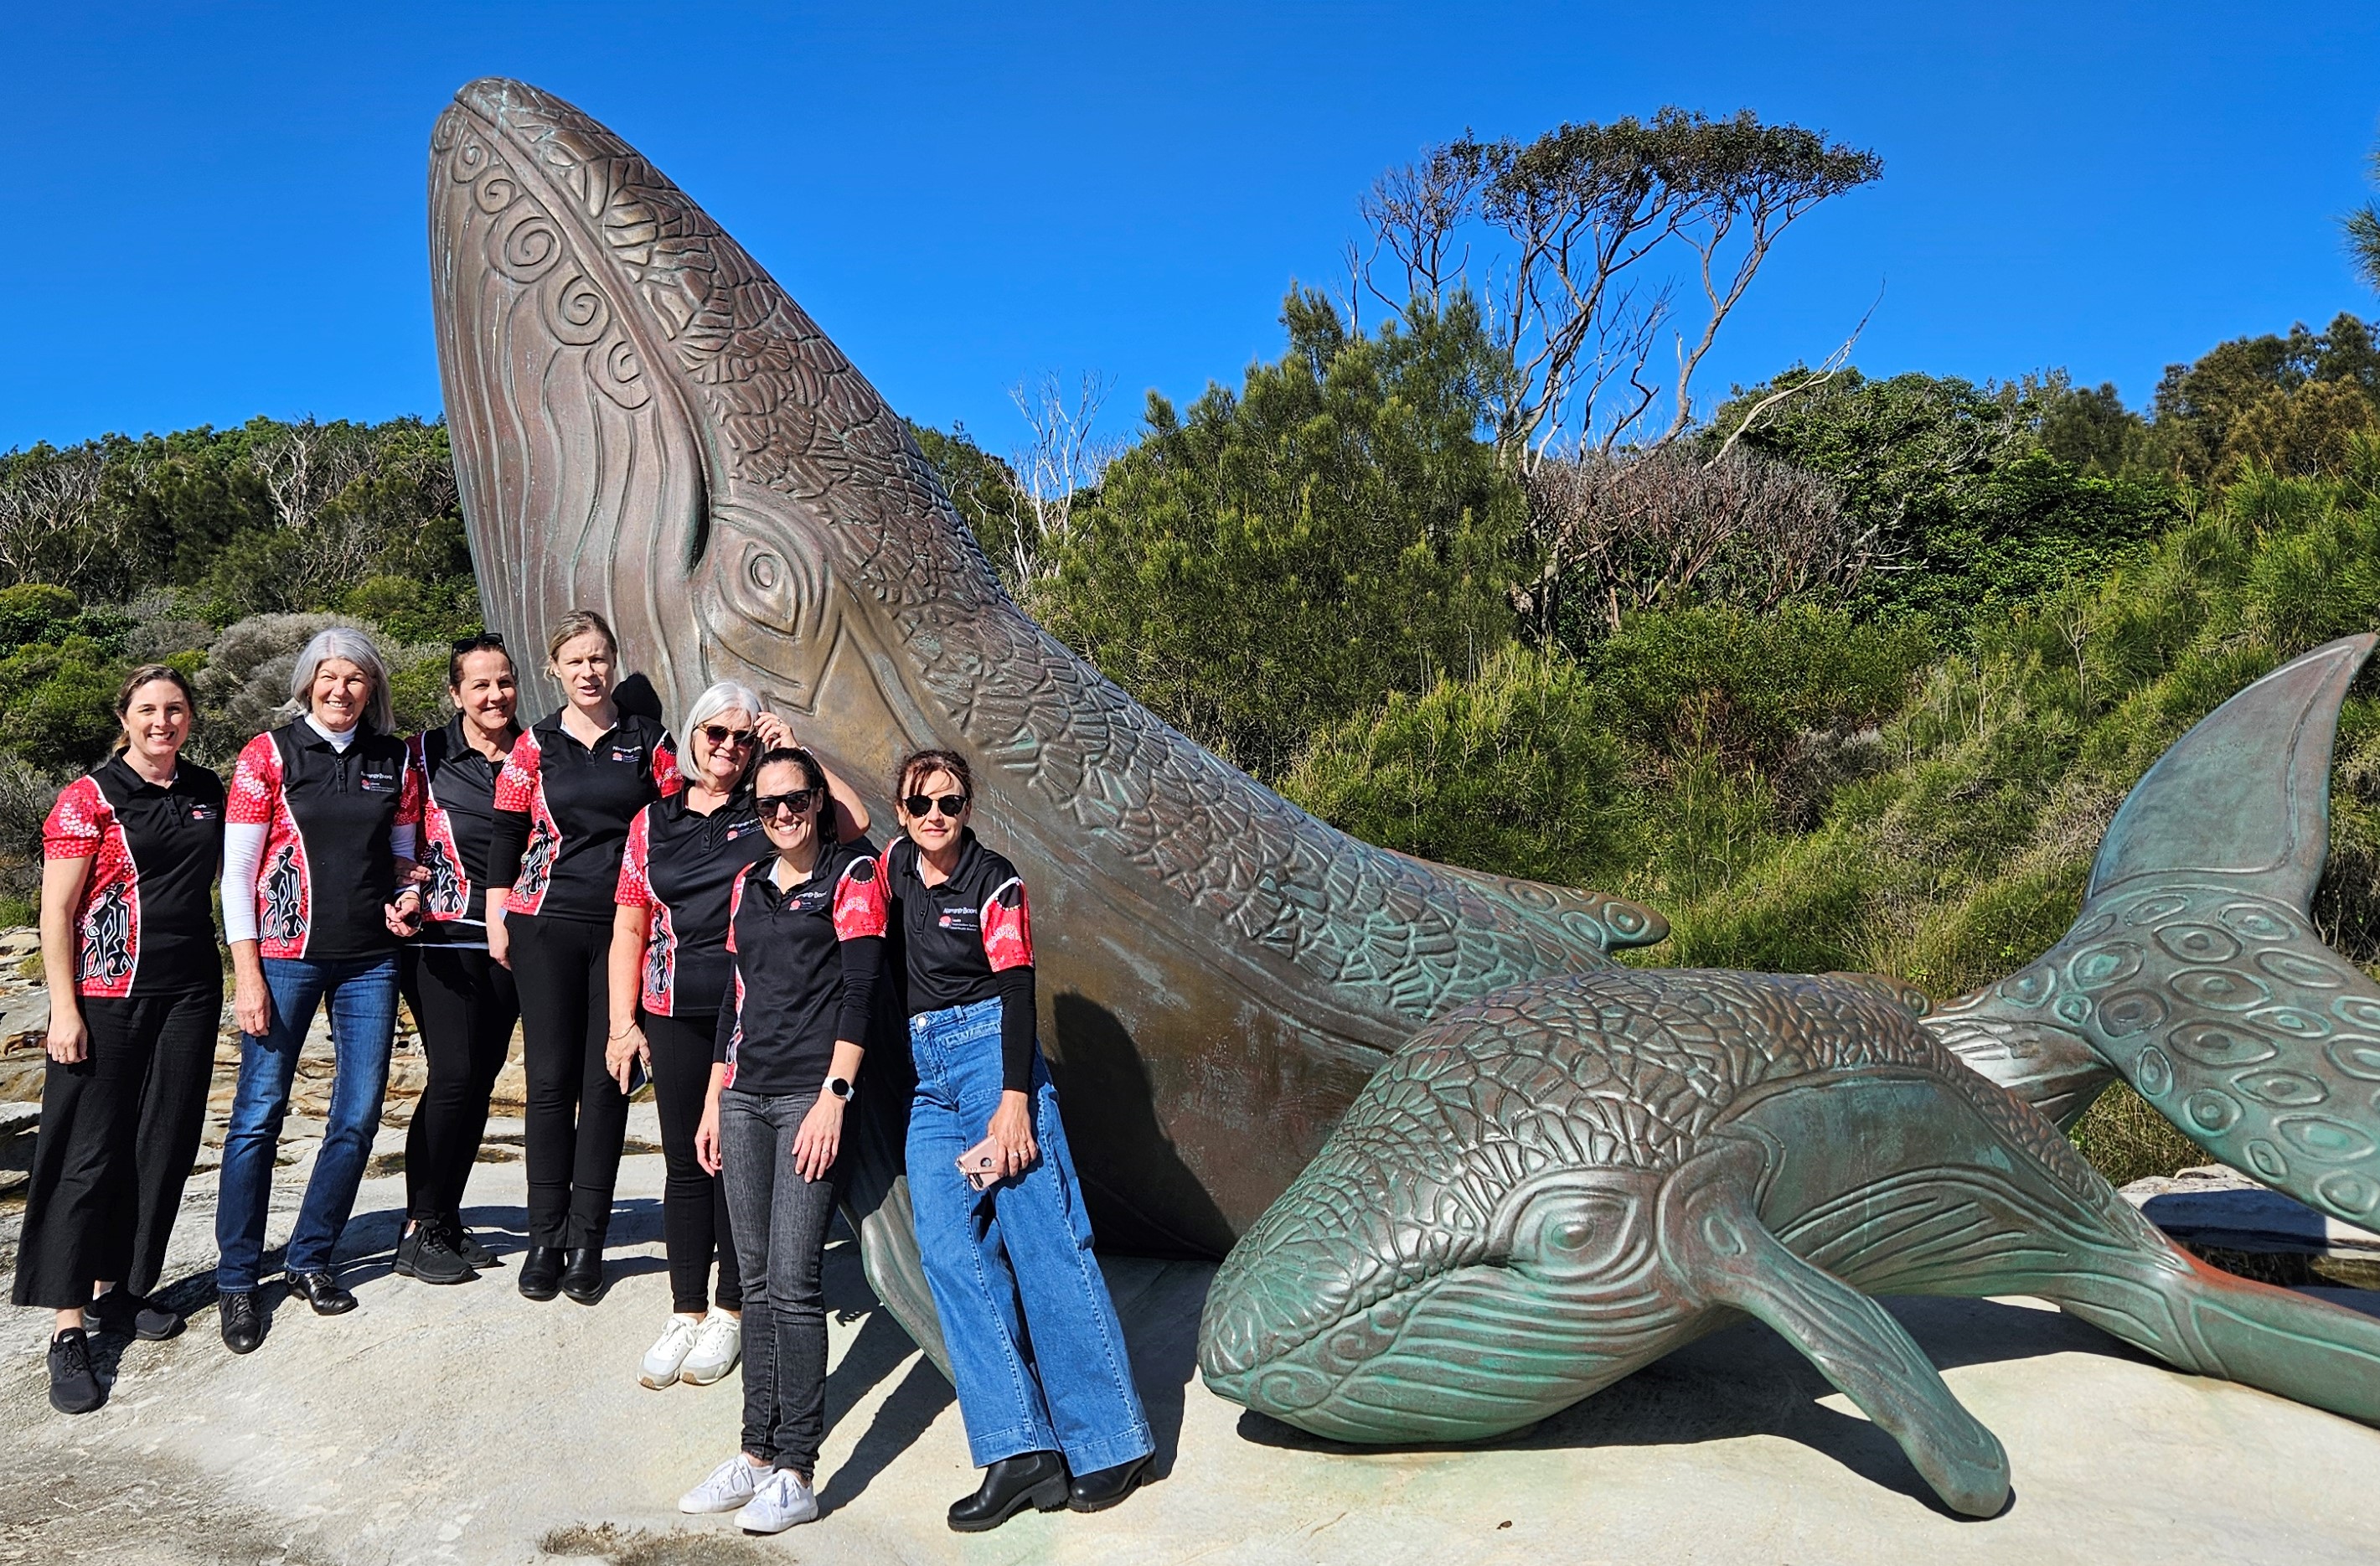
x: 780, y: 1222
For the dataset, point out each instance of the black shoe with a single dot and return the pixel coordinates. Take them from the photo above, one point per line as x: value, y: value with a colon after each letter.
x: 582, y: 1273
x: 122, y: 1311
x: 243, y: 1324
x: 73, y: 1388
x: 322, y: 1292
x: 465, y: 1244
x: 1102, y: 1487
x: 425, y: 1254
x: 541, y: 1273
x: 1036, y: 1480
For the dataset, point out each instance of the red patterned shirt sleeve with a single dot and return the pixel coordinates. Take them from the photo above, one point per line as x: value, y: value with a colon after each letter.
x: 255, y: 784
x: 667, y: 778
x: 635, y: 890
x: 734, y: 907
x: 859, y: 905
x: 1007, y: 929
x: 77, y: 822
x: 517, y: 785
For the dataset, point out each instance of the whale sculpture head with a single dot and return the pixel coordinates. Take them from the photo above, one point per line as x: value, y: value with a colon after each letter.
x: 645, y: 424
x: 1468, y: 1253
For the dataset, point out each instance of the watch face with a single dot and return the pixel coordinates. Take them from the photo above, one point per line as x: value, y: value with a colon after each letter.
x: 838, y: 1087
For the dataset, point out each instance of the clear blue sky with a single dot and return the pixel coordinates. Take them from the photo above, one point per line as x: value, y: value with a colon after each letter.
x: 216, y: 211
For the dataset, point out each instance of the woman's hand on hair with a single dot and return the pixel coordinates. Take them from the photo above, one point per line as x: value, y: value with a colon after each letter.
x: 775, y: 733
x: 1012, y: 1133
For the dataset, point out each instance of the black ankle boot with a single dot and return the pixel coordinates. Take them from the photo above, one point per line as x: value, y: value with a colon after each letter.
x: 1102, y: 1487
x: 1036, y: 1480
x: 541, y: 1271
x: 582, y: 1273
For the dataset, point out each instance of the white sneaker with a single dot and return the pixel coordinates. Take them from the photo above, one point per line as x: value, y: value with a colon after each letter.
x: 731, y: 1484
x: 718, y: 1344
x: 665, y: 1359
x: 778, y: 1502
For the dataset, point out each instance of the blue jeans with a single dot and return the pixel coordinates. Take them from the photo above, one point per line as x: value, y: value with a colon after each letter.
x: 362, y: 994
x: 1013, y: 1265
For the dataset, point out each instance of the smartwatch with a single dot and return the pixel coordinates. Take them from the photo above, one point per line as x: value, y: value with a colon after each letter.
x: 841, y: 1087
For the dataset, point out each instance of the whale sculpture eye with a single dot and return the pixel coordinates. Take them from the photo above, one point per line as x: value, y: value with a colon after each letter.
x: 1569, y: 1231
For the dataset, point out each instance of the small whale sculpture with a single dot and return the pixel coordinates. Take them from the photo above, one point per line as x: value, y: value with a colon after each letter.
x: 1552, y: 1187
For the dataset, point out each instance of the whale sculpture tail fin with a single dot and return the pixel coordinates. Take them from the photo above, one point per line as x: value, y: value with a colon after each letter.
x: 2194, y: 971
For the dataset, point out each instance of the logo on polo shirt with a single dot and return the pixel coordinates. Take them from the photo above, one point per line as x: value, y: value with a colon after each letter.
x: 206, y: 812
x: 628, y: 753
x: 961, y: 917
x: 379, y: 782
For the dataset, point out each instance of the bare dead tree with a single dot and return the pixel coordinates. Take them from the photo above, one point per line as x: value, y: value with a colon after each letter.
x: 1659, y: 528
x: 1834, y: 364
x: 303, y: 465
x: 55, y: 524
x: 1064, y: 458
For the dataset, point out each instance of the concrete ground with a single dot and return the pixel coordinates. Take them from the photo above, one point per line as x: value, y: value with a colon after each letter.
x: 468, y: 1424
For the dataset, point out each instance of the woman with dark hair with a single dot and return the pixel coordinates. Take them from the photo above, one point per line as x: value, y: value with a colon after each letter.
x: 1059, y: 1424
x: 129, y: 948
x: 318, y: 886
x: 462, y: 1000
x: 807, y: 937
x: 570, y: 787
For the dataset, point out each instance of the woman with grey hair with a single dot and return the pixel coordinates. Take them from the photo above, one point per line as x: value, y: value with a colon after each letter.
x: 318, y: 887
x: 668, y: 973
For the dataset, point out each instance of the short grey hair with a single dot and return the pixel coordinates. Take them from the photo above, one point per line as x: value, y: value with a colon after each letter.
x: 724, y: 697
x: 342, y: 641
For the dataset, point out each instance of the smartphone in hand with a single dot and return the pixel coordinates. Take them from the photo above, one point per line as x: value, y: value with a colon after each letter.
x: 980, y: 1164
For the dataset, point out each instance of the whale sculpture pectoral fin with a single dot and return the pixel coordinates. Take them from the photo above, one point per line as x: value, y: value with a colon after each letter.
x: 876, y: 1205
x: 1718, y: 1249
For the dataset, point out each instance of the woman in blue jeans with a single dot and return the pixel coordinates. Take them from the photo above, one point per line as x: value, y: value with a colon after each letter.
x: 1060, y: 1424
x: 318, y: 886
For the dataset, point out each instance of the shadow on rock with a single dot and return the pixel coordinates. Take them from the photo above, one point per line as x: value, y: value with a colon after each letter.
x: 879, y: 1349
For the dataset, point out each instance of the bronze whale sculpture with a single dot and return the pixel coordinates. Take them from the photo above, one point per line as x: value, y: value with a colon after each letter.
x: 643, y: 422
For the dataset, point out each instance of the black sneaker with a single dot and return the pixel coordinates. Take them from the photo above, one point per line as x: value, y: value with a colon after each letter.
x: 73, y: 1388
x: 424, y: 1254
x: 121, y: 1311
x: 465, y: 1244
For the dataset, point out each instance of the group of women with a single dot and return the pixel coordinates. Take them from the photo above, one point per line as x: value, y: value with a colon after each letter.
x: 721, y: 926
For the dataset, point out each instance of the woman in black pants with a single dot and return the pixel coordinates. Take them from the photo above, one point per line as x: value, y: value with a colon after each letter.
x: 570, y: 787
x: 131, y: 856
x: 807, y: 936
x: 670, y: 963
x: 463, y: 1002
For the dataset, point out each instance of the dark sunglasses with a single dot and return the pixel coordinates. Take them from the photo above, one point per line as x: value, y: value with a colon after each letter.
x: 480, y: 643
x: 798, y: 803
x: 720, y: 735
x: 922, y: 805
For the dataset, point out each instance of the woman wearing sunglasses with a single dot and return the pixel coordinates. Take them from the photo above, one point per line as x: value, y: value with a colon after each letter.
x: 806, y: 939
x: 1060, y: 1425
x: 461, y: 999
x: 570, y: 787
x: 669, y: 977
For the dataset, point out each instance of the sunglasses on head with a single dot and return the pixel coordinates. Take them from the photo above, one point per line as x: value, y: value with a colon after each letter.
x: 720, y: 735
x: 798, y: 803
x: 922, y: 805
x: 483, y: 641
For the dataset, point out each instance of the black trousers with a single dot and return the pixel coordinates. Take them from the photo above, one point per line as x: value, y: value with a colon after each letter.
x: 694, y: 1202
x: 578, y: 1116
x: 465, y: 1003
x: 119, y: 1130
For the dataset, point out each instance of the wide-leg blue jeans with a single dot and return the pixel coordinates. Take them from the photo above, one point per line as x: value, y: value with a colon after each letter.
x: 363, y: 996
x: 1013, y: 1266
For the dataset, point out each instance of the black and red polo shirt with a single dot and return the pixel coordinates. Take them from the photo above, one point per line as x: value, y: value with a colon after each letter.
x: 806, y: 962
x: 458, y: 825
x: 327, y: 869
x: 564, y: 809
x: 679, y: 867
x: 145, y: 924
x: 967, y: 940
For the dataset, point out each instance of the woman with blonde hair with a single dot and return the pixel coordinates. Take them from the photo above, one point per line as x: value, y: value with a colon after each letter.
x: 570, y: 787
x: 129, y: 854
x: 318, y: 887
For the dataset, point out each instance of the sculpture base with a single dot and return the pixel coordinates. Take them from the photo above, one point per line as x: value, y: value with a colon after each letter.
x: 467, y: 1424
